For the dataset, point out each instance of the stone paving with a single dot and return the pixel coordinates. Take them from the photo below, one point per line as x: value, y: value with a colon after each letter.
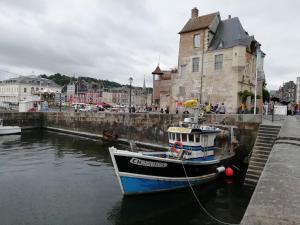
x: 276, y: 199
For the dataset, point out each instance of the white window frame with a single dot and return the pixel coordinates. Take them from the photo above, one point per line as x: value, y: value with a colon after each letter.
x: 197, y: 41
x: 219, y: 59
x: 195, y: 67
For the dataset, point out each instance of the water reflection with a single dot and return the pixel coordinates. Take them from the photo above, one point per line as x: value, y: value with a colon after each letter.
x: 8, y: 140
x: 51, y: 178
x: 224, y: 201
x: 70, y: 144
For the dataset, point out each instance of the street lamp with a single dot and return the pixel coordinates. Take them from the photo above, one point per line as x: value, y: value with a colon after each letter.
x: 130, y: 85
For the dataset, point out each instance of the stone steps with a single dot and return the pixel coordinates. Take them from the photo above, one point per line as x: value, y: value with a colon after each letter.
x: 261, y: 152
x: 255, y: 167
x: 268, y: 132
x: 260, y: 156
x: 262, y: 148
x: 258, y: 159
x: 265, y: 139
x: 250, y: 182
x: 263, y: 144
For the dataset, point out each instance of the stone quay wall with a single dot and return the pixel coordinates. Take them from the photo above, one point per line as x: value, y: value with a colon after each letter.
x: 26, y: 120
x: 148, y: 127
x: 142, y: 127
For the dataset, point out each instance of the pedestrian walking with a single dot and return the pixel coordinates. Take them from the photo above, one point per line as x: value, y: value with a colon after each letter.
x: 222, y: 109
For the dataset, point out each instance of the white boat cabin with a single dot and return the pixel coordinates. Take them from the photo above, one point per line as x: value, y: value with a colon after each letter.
x: 196, y: 143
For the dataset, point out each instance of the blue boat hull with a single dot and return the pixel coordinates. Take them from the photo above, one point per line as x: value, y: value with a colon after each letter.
x: 134, y: 185
x: 147, y: 172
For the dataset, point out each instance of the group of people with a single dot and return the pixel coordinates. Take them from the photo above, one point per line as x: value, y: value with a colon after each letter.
x: 209, y: 108
x: 165, y: 110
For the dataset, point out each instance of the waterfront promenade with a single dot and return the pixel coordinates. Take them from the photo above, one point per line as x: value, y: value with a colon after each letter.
x: 276, y: 199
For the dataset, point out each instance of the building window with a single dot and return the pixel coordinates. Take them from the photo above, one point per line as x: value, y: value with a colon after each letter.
x: 197, y: 41
x: 219, y: 62
x: 196, y: 64
x: 25, y: 90
x: 182, y: 71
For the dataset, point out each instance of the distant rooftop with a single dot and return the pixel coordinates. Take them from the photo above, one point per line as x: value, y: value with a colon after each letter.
x: 31, y: 79
x: 198, y: 23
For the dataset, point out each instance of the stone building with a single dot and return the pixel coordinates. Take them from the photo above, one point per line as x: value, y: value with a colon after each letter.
x: 20, y: 88
x: 298, y: 90
x: 80, y: 91
x: 139, y: 96
x: 217, y: 60
x: 288, y: 92
x: 162, y: 84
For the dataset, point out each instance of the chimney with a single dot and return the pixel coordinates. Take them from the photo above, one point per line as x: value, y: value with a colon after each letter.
x: 195, y: 12
x: 229, y: 16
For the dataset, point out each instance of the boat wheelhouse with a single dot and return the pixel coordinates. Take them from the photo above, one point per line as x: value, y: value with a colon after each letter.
x: 193, y: 142
x: 191, y: 159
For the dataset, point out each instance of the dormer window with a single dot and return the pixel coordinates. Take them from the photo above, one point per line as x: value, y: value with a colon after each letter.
x: 197, y: 40
x: 221, y: 44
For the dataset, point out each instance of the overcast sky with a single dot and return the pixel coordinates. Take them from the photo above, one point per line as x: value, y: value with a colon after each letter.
x: 116, y: 39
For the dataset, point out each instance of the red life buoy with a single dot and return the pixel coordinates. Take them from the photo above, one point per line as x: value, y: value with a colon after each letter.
x: 174, y: 146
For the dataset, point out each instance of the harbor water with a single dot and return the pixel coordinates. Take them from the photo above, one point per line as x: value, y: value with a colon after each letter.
x: 58, y: 179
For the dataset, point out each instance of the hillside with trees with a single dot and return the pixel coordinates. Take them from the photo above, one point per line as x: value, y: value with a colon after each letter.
x: 63, y: 80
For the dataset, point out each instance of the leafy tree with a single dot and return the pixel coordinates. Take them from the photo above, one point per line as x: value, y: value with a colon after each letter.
x: 64, y: 80
x: 245, y: 94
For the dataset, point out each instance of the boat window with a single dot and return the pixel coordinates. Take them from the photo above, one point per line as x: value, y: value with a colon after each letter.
x: 177, y: 137
x: 191, y: 138
x: 172, y: 136
x: 197, y: 138
x: 184, y: 137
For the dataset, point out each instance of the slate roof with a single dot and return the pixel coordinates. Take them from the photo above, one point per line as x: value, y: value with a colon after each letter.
x: 198, y: 23
x: 31, y: 79
x: 157, y: 71
x: 230, y: 33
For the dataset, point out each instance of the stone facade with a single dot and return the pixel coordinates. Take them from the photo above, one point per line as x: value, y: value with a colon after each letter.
x: 162, y: 84
x: 286, y: 93
x: 217, y: 60
x: 17, y: 89
x: 298, y: 90
x: 289, y: 92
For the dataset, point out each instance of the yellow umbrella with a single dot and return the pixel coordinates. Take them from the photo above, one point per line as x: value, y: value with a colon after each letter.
x: 190, y: 103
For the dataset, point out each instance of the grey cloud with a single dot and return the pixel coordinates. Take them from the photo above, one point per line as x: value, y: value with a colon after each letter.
x: 117, y: 39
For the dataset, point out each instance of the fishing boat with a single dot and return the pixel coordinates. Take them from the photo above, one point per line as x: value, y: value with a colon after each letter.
x: 192, y: 159
x: 6, y: 130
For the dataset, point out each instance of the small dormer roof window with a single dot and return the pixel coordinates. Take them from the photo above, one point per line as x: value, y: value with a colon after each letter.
x: 221, y: 44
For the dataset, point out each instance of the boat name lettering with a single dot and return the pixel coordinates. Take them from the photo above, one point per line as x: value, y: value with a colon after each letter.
x: 179, y: 130
x: 140, y: 162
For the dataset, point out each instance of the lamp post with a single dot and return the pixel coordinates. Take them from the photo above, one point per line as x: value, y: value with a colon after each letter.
x: 60, y: 101
x: 130, y: 85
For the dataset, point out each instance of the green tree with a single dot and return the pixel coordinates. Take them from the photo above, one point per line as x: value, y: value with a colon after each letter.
x: 245, y: 94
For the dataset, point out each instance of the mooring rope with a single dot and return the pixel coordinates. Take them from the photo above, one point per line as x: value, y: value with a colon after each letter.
x: 200, y: 204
